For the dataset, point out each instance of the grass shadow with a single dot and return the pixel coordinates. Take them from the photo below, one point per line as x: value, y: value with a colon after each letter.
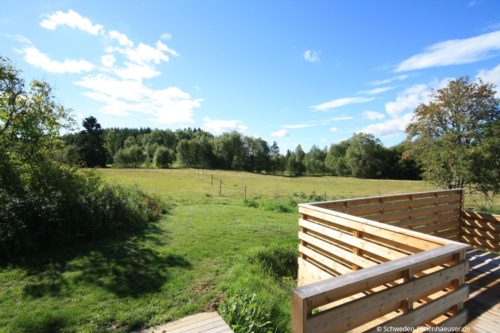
x: 125, y: 264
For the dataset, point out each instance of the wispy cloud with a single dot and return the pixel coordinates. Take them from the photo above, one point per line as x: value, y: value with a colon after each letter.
x: 339, y: 102
x: 373, y: 115
x: 454, y: 52
x: 389, y: 80
x: 281, y: 133
x: 491, y: 76
x: 34, y: 57
x: 166, y: 36
x: 473, y: 3
x: 218, y: 126
x: 295, y: 126
x: 334, y: 129
x: 401, y: 110
x: 376, y: 91
x: 71, y: 19
x: 311, y: 56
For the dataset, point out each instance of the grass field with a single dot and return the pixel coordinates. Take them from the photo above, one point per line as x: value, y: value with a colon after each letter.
x: 189, y: 261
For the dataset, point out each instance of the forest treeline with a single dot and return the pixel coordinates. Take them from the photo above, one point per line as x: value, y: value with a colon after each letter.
x: 362, y: 155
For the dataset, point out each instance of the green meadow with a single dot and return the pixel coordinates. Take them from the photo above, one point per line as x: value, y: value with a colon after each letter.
x: 212, y: 245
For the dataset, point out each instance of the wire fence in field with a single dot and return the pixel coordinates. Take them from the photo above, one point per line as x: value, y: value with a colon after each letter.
x: 221, y: 187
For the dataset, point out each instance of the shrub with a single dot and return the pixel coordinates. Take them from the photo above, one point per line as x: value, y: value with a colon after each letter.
x: 277, y: 262
x: 163, y: 157
x: 272, y: 205
x: 245, y: 315
x: 54, y: 205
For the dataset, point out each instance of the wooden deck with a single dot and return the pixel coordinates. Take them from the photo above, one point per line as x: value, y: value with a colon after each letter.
x: 483, y: 304
x: 206, y: 322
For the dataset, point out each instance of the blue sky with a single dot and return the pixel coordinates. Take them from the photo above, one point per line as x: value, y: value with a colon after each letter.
x: 309, y: 72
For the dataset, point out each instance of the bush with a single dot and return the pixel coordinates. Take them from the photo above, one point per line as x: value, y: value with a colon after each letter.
x: 245, y: 315
x: 272, y: 205
x: 163, y: 157
x: 277, y: 262
x: 54, y: 205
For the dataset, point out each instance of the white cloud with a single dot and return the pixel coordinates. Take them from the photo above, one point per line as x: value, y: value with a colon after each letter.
x: 166, y: 36
x: 71, y: 19
x: 108, y: 60
x: 454, y: 52
x: 389, y: 80
x: 294, y: 126
x: 408, y: 100
x: 221, y: 126
x: 334, y: 129
x: 336, y: 103
x: 163, y: 47
x: 121, y: 38
x: 491, y: 76
x: 400, y: 111
x: 281, y: 133
x: 390, y: 127
x: 473, y: 3
x: 121, y: 97
x: 373, y: 115
x: 311, y: 56
x: 38, y: 59
x: 376, y: 91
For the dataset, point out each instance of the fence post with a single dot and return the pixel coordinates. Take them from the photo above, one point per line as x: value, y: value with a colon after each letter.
x: 212, y: 180
x: 245, y: 191
x: 220, y: 187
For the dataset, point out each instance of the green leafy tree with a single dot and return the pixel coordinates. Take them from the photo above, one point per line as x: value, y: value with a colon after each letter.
x: 163, y: 157
x: 314, y: 161
x: 456, y: 136
x: 335, y: 160
x: 91, y: 143
x: 364, y: 156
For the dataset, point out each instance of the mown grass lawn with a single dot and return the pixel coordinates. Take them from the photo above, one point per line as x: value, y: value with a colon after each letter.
x: 185, y: 263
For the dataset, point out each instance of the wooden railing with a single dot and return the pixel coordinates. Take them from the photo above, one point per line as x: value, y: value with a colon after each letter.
x: 423, y: 288
x: 436, y: 212
x: 480, y: 229
x: 359, y: 274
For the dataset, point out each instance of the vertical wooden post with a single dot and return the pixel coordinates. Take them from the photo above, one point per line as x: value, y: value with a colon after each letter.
x: 299, y: 313
x: 409, y: 275
x: 212, y: 180
x: 220, y: 187
x: 245, y: 191
x: 325, y: 195
x: 355, y: 250
x: 459, y: 257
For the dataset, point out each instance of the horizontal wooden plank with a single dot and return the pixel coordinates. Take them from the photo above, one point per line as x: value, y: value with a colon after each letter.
x: 324, y: 260
x: 426, y: 220
x: 418, y: 212
x: 385, y: 199
x: 309, y: 273
x: 427, y: 312
x: 457, y: 320
x: 387, y: 207
x: 351, y: 240
x: 346, y: 316
x: 336, y: 251
x: 404, y: 236
x: 324, y: 292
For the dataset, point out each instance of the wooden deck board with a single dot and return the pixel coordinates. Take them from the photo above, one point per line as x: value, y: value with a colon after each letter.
x: 206, y: 322
x: 483, y: 304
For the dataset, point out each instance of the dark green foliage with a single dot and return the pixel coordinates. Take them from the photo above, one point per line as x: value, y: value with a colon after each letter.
x: 272, y: 205
x: 163, y: 157
x: 129, y: 157
x: 44, y: 203
x: 56, y: 206
x: 91, y: 144
x: 456, y: 137
x: 245, y: 314
x: 364, y: 157
x: 277, y: 262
